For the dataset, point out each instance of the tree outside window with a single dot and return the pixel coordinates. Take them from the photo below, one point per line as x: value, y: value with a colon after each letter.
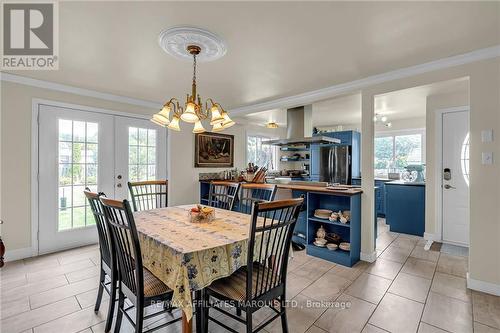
x: 394, y: 152
x: 259, y: 154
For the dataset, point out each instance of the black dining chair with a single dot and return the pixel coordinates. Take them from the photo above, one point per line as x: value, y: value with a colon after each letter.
x: 251, y: 193
x: 262, y: 282
x: 135, y: 282
x: 150, y: 194
x: 223, y: 194
x: 105, y: 254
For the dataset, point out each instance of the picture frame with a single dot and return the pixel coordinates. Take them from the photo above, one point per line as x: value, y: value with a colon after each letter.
x: 214, y: 150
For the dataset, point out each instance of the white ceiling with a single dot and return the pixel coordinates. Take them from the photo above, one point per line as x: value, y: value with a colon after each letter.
x: 346, y: 110
x: 275, y: 49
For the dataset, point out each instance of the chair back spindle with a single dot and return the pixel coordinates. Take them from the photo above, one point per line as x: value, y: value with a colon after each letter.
x: 125, y: 243
x: 147, y: 195
x: 251, y: 193
x: 223, y: 194
x: 100, y: 221
x: 270, y: 237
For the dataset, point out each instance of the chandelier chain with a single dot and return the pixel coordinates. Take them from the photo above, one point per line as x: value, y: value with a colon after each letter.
x: 194, y: 67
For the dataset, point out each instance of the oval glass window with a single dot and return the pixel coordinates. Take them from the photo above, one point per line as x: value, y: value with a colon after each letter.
x: 464, y: 159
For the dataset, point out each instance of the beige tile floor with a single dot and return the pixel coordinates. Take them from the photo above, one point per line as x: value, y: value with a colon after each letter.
x: 407, y: 289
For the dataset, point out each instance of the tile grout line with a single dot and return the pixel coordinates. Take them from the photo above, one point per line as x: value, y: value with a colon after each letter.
x: 429, y: 291
x: 385, y: 293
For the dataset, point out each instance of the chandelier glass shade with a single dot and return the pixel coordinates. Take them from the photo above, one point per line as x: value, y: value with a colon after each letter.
x: 193, y: 111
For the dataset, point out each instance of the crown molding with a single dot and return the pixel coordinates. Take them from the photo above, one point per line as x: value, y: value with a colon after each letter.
x: 329, y: 92
x: 285, y: 102
x: 14, y: 78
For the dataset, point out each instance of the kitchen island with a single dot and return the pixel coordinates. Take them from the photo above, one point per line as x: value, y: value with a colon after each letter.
x: 319, y: 197
x: 405, y: 207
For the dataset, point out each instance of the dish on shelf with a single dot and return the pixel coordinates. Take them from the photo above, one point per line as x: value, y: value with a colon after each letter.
x: 345, y: 246
x: 322, y: 213
x: 320, y: 241
x: 319, y: 244
x: 331, y: 246
x: 333, y: 238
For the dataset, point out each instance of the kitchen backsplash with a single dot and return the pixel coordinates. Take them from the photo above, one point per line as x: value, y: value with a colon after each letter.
x: 220, y: 175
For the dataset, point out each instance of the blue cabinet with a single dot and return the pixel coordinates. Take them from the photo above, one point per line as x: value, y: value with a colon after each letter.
x: 314, y: 166
x: 379, y: 195
x: 345, y: 137
x: 350, y: 232
x: 405, y: 207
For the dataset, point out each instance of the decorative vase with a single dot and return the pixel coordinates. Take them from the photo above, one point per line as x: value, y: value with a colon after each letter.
x: 321, y: 233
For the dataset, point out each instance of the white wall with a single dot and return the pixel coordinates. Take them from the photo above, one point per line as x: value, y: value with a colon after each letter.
x: 183, y: 176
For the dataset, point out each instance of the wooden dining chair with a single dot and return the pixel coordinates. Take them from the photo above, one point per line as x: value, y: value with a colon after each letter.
x: 223, y: 194
x: 135, y: 282
x: 150, y: 194
x: 251, y: 193
x: 263, y: 281
x: 105, y: 254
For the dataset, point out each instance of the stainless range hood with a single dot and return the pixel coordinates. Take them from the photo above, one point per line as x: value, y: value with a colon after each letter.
x: 299, y: 129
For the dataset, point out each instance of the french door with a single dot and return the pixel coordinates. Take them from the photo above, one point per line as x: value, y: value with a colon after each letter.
x: 79, y: 149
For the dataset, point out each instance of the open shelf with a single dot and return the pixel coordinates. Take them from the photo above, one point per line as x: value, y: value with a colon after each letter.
x: 294, y: 149
x: 295, y: 160
x: 327, y: 221
x: 350, y: 232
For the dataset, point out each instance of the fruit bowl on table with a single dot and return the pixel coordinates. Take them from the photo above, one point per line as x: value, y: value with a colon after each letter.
x: 201, y: 214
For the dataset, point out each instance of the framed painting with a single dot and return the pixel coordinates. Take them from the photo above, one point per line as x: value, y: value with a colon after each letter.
x: 213, y: 150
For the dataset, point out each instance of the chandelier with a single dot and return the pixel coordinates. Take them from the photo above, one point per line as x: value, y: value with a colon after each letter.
x: 193, y: 111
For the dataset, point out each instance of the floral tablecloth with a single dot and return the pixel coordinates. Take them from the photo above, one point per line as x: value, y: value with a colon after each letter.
x: 189, y: 256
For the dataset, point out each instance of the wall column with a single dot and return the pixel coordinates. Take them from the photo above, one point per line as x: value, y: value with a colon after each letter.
x: 367, y: 178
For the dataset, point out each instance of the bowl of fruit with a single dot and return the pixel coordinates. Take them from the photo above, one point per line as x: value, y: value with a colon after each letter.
x: 200, y: 214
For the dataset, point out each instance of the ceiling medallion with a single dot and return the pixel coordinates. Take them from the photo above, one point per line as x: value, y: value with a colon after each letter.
x: 175, y: 41
x: 194, y: 111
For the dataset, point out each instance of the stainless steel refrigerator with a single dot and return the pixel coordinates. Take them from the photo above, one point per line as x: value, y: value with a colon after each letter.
x: 335, y: 164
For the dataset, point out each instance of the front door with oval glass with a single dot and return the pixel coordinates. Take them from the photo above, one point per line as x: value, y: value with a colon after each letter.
x: 79, y: 149
x: 455, y: 178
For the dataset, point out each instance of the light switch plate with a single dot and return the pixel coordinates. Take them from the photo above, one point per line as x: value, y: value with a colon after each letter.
x: 487, y: 157
x: 487, y: 135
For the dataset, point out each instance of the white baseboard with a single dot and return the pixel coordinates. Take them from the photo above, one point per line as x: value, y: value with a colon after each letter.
x: 485, y: 287
x: 17, y: 254
x: 368, y: 257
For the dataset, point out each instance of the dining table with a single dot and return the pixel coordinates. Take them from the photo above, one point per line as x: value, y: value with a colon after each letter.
x: 188, y: 256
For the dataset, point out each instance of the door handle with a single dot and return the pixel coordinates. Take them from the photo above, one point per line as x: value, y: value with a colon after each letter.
x: 448, y: 186
x: 119, y: 185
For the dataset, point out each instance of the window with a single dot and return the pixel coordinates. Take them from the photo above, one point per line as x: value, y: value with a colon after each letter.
x: 261, y: 155
x: 141, y: 154
x: 77, y: 169
x: 464, y: 158
x: 393, y: 152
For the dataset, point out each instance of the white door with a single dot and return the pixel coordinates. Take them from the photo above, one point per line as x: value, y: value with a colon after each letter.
x: 140, y: 154
x: 79, y: 149
x: 455, y: 178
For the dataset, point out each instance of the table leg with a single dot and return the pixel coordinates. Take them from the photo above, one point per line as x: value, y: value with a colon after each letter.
x: 199, y: 311
x: 187, y: 325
